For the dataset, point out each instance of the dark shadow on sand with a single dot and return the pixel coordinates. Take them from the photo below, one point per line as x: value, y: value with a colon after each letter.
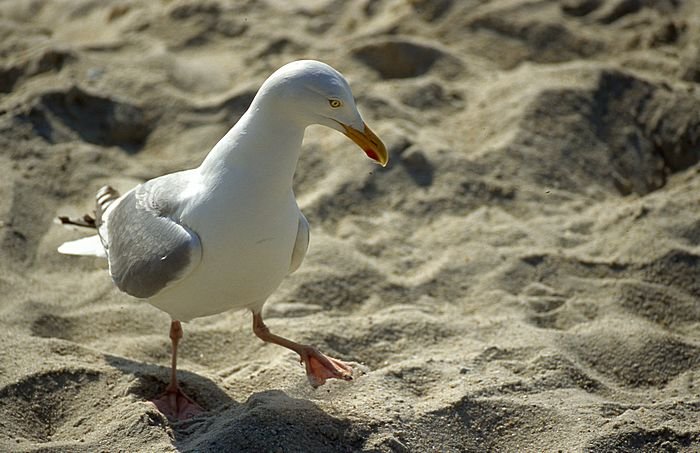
x: 152, y: 380
x: 273, y: 421
x: 268, y: 421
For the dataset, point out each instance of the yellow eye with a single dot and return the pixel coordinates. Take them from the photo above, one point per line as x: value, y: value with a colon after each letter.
x: 335, y: 103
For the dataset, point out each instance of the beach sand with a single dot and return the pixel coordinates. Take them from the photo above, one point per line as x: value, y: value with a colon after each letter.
x: 523, y: 276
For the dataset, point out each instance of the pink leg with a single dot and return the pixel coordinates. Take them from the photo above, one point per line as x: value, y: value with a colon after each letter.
x: 173, y: 403
x: 319, y: 367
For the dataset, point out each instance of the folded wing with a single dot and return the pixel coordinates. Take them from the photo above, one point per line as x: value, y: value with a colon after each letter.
x: 147, y: 247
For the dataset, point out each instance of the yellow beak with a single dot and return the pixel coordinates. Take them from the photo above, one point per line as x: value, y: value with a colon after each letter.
x: 369, y: 142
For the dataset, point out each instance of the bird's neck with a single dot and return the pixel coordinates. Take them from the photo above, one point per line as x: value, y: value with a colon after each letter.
x: 262, y: 148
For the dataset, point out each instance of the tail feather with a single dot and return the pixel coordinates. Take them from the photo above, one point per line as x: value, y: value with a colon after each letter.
x: 105, y: 197
x: 92, y: 245
x: 89, y: 246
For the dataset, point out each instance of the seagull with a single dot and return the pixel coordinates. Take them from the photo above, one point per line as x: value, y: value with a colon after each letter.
x: 224, y: 235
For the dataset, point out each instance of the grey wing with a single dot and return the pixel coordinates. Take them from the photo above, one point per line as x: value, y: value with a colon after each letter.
x: 301, y: 245
x: 147, y: 248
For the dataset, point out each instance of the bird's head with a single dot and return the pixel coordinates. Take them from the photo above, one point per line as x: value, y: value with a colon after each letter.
x: 314, y: 93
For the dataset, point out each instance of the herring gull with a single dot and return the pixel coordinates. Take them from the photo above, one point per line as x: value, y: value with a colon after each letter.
x: 224, y: 235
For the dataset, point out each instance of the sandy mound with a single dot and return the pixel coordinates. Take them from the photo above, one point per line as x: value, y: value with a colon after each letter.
x: 524, y: 276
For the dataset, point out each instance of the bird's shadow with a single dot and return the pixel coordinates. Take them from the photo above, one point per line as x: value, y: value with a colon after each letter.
x: 269, y: 420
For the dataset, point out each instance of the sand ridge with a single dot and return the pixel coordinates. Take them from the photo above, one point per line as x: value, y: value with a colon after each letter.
x: 523, y: 276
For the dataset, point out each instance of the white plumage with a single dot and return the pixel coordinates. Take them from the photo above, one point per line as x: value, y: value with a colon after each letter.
x: 224, y: 235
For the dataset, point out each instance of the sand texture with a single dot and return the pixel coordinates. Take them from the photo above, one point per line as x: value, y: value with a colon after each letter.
x: 523, y: 276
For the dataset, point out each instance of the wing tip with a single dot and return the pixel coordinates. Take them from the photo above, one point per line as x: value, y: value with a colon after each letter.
x: 88, y: 246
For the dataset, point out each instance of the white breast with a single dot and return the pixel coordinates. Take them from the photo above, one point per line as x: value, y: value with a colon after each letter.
x: 243, y: 209
x: 247, y: 243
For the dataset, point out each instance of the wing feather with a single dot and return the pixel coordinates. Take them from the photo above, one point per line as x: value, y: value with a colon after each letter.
x: 147, y: 246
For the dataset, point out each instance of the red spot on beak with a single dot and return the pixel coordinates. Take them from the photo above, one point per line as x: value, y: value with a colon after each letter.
x: 371, y: 154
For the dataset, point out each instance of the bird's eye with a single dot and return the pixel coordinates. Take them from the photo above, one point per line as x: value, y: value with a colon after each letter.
x: 335, y: 103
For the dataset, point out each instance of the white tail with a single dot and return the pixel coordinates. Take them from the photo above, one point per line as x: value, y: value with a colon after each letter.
x: 89, y: 246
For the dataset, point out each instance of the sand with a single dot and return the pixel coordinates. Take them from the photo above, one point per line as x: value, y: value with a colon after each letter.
x: 523, y: 276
